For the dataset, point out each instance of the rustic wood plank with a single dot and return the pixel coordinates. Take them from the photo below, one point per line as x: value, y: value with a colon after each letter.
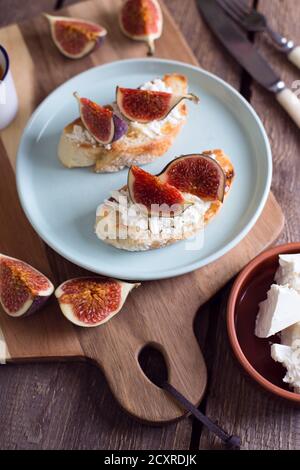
x: 23, y: 70
x: 176, y: 436
x: 108, y: 349
x: 65, y: 406
x: 14, y: 11
x: 25, y: 244
x: 283, y: 133
x: 115, y: 346
x: 239, y: 405
x: 222, y: 66
x: 207, y: 49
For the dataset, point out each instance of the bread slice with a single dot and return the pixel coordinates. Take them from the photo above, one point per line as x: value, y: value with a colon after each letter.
x: 143, y: 143
x: 110, y: 226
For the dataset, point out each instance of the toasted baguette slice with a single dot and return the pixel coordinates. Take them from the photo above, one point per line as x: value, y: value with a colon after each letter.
x: 108, y: 214
x: 143, y: 143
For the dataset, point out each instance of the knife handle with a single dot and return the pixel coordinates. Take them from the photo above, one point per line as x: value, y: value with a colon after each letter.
x: 289, y: 101
x: 294, y: 56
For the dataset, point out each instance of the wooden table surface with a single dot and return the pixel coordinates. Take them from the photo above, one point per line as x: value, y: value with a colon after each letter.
x: 69, y: 406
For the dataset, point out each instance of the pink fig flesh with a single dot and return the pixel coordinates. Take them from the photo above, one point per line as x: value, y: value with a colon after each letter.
x: 23, y: 289
x: 75, y: 38
x: 97, y: 120
x: 92, y: 301
x: 105, y: 126
x: 157, y: 197
x: 196, y: 174
x: 145, y: 106
x: 142, y: 20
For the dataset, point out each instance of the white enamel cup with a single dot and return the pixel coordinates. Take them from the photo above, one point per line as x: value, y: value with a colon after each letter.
x: 8, y: 95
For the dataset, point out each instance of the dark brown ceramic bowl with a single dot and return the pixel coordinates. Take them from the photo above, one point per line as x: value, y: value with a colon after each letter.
x: 253, y: 353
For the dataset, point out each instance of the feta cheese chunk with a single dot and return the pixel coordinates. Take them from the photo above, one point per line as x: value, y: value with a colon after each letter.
x: 288, y: 272
x: 290, y: 334
x: 280, y: 310
x: 289, y: 357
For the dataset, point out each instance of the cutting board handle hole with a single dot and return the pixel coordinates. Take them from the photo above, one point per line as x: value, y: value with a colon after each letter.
x: 153, y: 364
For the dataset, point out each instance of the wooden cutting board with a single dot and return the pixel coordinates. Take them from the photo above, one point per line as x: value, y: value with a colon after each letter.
x: 159, y: 313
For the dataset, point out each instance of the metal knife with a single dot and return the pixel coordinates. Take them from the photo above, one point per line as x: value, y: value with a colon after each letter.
x: 248, y: 57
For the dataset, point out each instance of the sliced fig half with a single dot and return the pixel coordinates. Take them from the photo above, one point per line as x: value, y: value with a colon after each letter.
x: 100, y: 121
x: 23, y: 289
x: 146, y: 106
x: 92, y: 301
x: 153, y: 195
x: 196, y: 174
x: 74, y: 37
x: 142, y: 20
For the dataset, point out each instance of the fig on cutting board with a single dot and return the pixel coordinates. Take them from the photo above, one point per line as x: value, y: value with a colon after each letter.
x: 23, y: 289
x: 142, y: 20
x: 146, y: 106
x: 74, y: 37
x: 92, y: 301
x: 157, y: 197
x: 100, y: 121
x: 196, y: 174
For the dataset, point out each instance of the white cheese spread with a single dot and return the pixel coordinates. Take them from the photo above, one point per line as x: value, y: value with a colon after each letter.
x: 80, y: 135
x: 153, y: 129
x: 136, y: 225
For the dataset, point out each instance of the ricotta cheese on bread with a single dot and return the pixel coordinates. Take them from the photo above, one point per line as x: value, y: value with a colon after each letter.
x: 120, y: 225
x: 142, y: 143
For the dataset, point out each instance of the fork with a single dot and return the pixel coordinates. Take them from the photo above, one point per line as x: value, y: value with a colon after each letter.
x: 253, y: 21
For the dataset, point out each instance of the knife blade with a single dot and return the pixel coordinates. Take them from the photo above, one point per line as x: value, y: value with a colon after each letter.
x: 246, y: 54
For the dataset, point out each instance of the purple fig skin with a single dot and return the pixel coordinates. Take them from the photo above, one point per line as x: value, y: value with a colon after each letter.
x: 36, y: 305
x: 99, y: 41
x: 121, y: 127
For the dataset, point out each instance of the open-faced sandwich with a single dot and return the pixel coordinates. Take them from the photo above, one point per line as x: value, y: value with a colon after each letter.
x: 138, y: 127
x: 155, y: 211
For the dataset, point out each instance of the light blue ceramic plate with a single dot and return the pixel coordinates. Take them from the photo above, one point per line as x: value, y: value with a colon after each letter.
x: 61, y: 203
